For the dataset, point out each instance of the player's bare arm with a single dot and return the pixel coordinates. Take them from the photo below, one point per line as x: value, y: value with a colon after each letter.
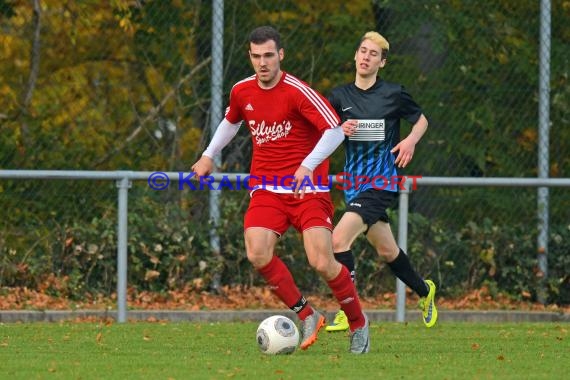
x: 407, y: 146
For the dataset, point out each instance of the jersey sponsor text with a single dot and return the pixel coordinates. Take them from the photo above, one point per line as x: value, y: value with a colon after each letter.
x: 370, y: 130
x: 264, y: 133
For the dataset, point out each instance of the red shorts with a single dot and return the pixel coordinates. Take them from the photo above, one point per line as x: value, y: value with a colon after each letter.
x: 277, y: 212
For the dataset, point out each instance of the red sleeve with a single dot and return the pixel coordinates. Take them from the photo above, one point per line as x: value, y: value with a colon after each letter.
x: 314, y: 106
x: 233, y: 113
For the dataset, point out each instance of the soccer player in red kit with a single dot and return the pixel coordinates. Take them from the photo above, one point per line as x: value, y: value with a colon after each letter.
x: 293, y: 129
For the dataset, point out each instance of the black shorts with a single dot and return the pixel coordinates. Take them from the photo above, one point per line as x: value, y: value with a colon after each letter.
x: 371, y: 205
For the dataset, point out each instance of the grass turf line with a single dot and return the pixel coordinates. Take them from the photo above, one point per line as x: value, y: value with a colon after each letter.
x: 143, y: 350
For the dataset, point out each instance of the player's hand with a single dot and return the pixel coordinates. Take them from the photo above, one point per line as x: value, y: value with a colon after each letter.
x: 204, y: 166
x: 405, y: 149
x: 349, y: 127
x: 303, y: 177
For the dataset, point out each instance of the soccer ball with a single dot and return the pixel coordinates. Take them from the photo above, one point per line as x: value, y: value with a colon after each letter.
x: 277, y: 335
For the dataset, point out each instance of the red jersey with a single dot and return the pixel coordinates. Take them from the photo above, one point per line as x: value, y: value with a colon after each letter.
x: 285, y: 123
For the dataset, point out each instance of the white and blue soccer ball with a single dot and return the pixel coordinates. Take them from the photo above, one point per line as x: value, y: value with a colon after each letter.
x: 277, y: 335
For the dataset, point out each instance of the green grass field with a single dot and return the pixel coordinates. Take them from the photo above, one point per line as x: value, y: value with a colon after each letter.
x: 141, y: 350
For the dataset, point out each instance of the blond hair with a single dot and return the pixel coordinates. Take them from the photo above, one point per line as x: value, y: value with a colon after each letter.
x: 379, y: 40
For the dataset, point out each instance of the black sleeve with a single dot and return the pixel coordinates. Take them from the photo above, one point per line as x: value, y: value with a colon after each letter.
x: 409, y: 109
x: 335, y: 102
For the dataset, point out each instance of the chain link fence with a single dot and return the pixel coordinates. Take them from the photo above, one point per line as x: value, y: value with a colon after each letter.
x: 128, y: 85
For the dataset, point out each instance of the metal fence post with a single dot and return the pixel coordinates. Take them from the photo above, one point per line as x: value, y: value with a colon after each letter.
x: 403, y: 243
x: 122, y: 238
x: 543, y: 143
x: 215, y: 116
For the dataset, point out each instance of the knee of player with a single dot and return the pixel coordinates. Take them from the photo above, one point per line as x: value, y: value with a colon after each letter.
x: 320, y: 264
x: 259, y: 259
x: 340, y: 243
x: 388, y: 254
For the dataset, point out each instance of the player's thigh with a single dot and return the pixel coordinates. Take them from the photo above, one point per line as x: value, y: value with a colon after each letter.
x: 266, y: 210
x: 347, y: 230
x: 372, y: 205
x: 314, y: 210
x: 380, y: 236
x: 264, y: 222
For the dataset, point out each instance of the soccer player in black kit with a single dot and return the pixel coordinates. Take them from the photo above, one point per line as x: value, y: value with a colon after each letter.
x: 370, y: 110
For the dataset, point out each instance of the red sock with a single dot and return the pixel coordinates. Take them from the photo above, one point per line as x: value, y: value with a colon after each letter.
x: 345, y: 292
x: 278, y: 276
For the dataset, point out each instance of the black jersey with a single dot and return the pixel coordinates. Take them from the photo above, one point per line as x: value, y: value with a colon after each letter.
x: 369, y: 162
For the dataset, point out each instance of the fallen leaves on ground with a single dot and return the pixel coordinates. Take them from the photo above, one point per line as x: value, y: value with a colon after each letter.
x: 242, y: 298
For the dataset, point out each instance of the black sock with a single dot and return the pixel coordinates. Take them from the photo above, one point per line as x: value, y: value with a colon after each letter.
x: 300, y: 305
x: 346, y: 258
x: 402, y: 268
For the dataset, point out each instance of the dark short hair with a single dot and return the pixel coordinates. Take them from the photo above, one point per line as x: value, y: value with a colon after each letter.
x: 263, y: 34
